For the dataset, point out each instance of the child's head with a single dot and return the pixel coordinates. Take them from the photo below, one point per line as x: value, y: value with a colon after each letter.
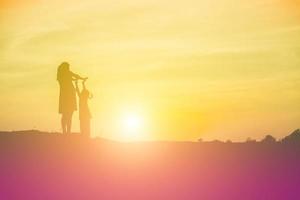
x: 85, y: 94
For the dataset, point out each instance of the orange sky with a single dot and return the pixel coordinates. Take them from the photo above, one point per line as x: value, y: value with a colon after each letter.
x: 212, y: 69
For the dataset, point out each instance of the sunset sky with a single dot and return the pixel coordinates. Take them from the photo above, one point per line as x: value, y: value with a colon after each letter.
x: 211, y: 69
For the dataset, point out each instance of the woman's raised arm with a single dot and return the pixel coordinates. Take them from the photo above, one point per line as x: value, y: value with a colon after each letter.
x: 76, y: 77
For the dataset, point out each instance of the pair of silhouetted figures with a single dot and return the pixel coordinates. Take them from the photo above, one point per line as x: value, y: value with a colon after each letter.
x: 68, y: 100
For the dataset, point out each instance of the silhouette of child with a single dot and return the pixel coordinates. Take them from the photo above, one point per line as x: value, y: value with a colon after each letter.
x: 84, y: 111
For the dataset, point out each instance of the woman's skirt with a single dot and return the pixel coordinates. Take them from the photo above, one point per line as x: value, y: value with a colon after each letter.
x: 67, y: 99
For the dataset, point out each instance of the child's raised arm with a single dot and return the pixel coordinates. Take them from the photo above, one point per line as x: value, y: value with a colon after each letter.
x: 83, y: 85
x: 77, y: 88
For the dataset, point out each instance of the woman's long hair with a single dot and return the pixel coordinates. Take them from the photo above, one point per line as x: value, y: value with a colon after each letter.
x: 62, y: 71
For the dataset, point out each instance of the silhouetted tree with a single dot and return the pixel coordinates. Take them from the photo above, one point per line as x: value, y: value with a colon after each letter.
x: 293, y: 138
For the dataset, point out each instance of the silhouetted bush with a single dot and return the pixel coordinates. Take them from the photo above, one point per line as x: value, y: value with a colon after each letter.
x: 229, y: 141
x: 250, y: 140
x: 200, y: 140
x: 269, y: 139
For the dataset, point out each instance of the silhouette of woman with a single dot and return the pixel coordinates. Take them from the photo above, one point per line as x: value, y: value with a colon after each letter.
x: 67, y: 95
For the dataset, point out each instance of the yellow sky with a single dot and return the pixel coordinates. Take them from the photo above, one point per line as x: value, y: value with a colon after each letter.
x: 217, y: 69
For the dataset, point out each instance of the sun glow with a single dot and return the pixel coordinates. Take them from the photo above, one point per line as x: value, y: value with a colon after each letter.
x: 132, y: 125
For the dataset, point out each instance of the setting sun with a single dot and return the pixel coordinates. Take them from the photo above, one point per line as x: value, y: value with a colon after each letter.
x: 132, y: 124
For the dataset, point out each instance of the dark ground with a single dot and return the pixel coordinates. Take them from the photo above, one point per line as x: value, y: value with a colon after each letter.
x: 52, y: 166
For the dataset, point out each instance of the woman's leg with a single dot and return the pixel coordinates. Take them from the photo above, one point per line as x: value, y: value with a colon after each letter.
x: 63, y: 123
x: 69, y: 122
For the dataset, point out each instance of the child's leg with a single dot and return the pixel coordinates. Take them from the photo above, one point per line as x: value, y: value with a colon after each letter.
x: 88, y: 128
x: 85, y: 127
x: 82, y: 126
